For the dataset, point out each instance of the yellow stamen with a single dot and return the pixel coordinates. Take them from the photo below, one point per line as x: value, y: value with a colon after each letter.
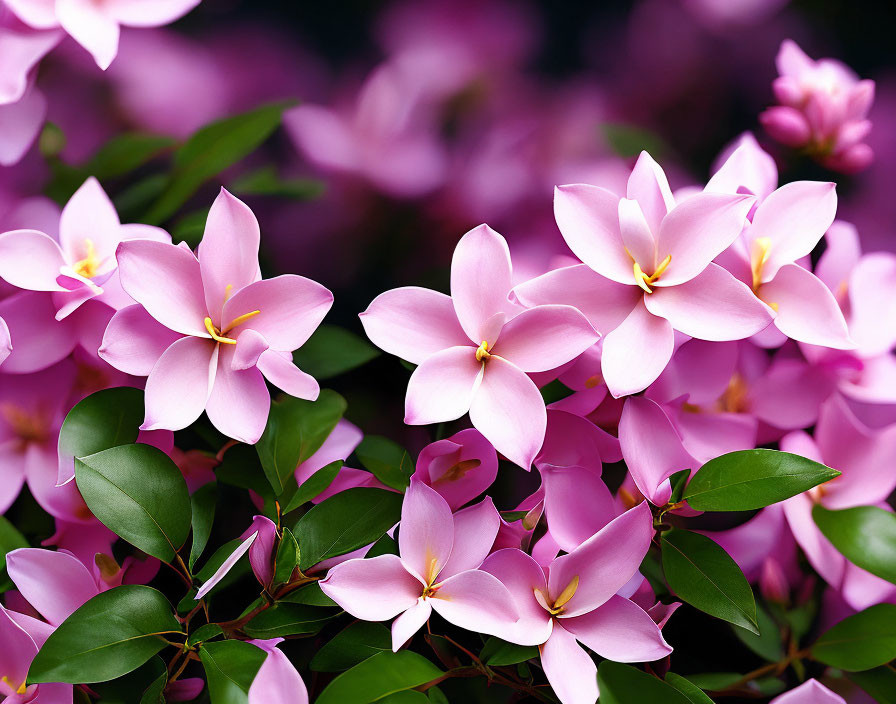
x: 761, y: 249
x: 21, y: 688
x: 661, y: 268
x: 457, y: 471
x: 593, y: 381
x: 88, y: 266
x: 641, y: 278
x: 773, y: 306
x: 216, y: 335
x: 567, y: 594
x: 228, y: 289
x: 239, y: 321
x: 107, y: 565
x: 482, y: 351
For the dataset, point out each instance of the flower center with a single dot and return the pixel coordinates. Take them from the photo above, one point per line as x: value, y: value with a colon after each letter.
x: 568, y: 593
x: 758, y: 257
x: 643, y: 280
x: 18, y: 690
x: 220, y: 335
x: 28, y: 427
x: 457, y: 471
x: 482, y: 351
x: 88, y: 266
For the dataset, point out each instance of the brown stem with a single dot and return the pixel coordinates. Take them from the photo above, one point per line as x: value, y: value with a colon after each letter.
x: 775, y: 667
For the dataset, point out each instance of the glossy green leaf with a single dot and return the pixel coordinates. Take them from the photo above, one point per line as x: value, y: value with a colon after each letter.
x: 315, y: 485
x: 154, y: 693
x: 104, y: 419
x: 408, y: 696
x: 205, y: 632
x: 624, y: 684
x: 388, y: 461
x: 287, y: 558
x: 346, y: 521
x: 880, y: 683
x: 865, y: 535
x: 140, y: 494
x: 715, y: 681
x: 767, y: 644
x: 210, y: 151
x: 202, y: 505
x: 499, y: 652
x: 862, y: 641
x: 230, y: 666
x: 241, y: 467
x: 701, y: 573
x: 332, y: 351
x: 361, y: 640
x: 296, y: 429
x: 285, y: 619
x: 692, y: 692
x: 379, y: 676
x: 110, y: 635
x: 312, y: 595
x: 750, y: 479
x: 10, y: 539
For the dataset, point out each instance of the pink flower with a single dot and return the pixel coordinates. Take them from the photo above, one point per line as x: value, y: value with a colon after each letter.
x: 648, y: 272
x: 76, y: 267
x: 22, y: 636
x: 277, y: 681
x: 96, y: 26
x: 823, y: 107
x: 809, y: 692
x: 575, y: 601
x: 460, y: 468
x: 208, y: 331
x: 474, y: 348
x: 437, y: 569
x: 20, y: 124
x: 259, y: 540
x: 5, y: 341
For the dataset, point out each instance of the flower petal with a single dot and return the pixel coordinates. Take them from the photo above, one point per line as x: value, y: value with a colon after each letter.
x: 509, y: 411
x: 179, y: 385
x: 90, y: 215
x: 227, y: 565
x: 809, y: 692
x: 577, y: 504
x: 649, y: 187
x: 38, y: 339
x: 522, y: 575
x: 476, y: 601
x: 442, y: 387
x: 407, y: 624
x: 712, y: 306
x: 475, y: 529
x: 413, y: 323
x: 426, y: 532
x: 545, y: 337
x: 30, y: 260
x: 91, y: 27
x: 636, y: 235
x: 374, y: 589
x: 571, y: 672
x: 54, y: 583
x: 636, y: 352
x: 619, y: 630
x: 239, y: 401
x: 134, y: 341
x: 277, y: 682
x: 481, y: 282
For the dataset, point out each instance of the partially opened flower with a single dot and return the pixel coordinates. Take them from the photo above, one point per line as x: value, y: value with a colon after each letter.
x: 259, y: 540
x: 210, y: 330
x: 436, y: 570
x: 277, y: 681
x: 82, y: 262
x: 22, y: 636
x: 574, y: 601
x: 648, y: 271
x: 475, y: 348
x: 460, y: 468
x: 97, y: 25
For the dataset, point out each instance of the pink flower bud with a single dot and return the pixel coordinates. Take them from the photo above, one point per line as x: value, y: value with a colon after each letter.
x: 786, y: 125
x: 772, y: 581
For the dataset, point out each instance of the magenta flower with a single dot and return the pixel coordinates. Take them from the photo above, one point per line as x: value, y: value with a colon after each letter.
x: 475, y: 348
x: 648, y: 272
x: 823, y: 107
x: 436, y: 570
x: 22, y: 636
x: 277, y: 681
x: 574, y: 601
x: 96, y: 26
x: 460, y: 468
x: 82, y: 262
x: 209, y: 330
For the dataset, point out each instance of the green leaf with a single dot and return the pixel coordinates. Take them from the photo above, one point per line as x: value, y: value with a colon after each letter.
x: 121, y: 689
x: 113, y: 633
x: 140, y: 494
x: 750, y: 479
x: 678, y: 482
x: 389, y: 461
x: 499, y: 652
x: 767, y: 644
x: 880, y: 683
x: 102, y: 420
x: 296, y: 429
x: 285, y: 619
x: 210, y: 151
x: 154, y: 693
x: 332, y: 351
x: 692, y: 692
x: 315, y: 485
x: 384, y: 546
x: 202, y: 505
x: 10, y: 539
x: 204, y: 633
x: 230, y: 666
x: 701, y: 573
x: 241, y: 467
x: 715, y: 681
x: 383, y: 674
x: 312, y: 595
x: 860, y: 642
x: 287, y: 557
x: 408, y: 696
x: 624, y: 684
x: 347, y: 521
x: 267, y: 182
x: 865, y: 535
x: 361, y: 640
